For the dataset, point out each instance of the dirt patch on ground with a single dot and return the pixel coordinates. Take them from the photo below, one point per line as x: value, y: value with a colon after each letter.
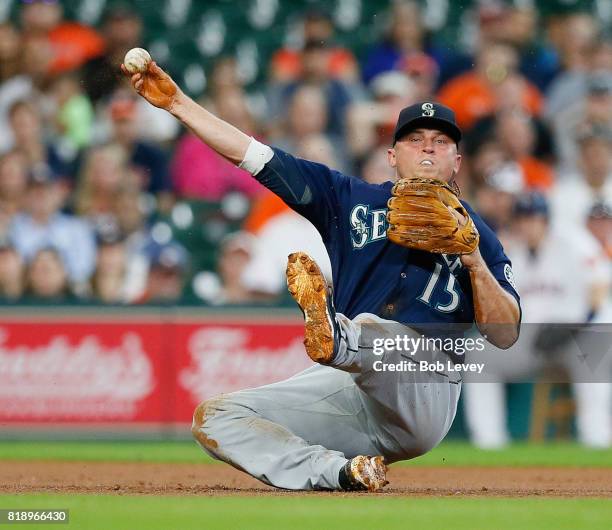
x: 218, y: 479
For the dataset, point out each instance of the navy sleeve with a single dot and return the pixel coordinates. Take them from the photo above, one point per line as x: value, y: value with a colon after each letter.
x: 493, y: 253
x: 311, y: 189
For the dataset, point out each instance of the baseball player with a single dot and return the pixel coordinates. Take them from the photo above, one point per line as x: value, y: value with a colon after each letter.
x: 425, y: 258
x: 563, y: 277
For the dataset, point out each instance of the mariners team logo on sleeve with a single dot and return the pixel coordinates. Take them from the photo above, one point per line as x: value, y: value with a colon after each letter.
x: 509, y: 275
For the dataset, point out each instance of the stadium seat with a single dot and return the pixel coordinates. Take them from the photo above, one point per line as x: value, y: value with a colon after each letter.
x: 552, y: 407
x: 200, y: 226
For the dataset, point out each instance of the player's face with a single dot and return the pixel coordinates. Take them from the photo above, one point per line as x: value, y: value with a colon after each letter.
x: 427, y: 153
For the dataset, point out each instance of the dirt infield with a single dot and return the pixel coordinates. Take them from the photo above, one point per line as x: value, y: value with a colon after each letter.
x: 218, y: 479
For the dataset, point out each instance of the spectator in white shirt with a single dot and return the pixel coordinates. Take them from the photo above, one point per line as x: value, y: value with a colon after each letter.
x: 563, y: 278
x: 573, y: 197
x: 593, y: 107
x: 42, y: 225
x: 599, y: 224
x: 30, y: 83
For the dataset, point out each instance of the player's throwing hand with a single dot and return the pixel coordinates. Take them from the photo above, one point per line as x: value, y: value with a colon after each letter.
x: 155, y: 85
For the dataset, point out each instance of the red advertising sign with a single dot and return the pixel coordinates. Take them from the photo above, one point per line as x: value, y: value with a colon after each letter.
x: 222, y: 358
x: 133, y: 370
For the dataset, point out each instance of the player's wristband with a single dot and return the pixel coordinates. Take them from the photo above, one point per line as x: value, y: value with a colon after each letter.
x: 256, y: 157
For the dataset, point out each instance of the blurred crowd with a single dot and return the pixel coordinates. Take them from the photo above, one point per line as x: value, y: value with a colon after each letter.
x: 100, y: 192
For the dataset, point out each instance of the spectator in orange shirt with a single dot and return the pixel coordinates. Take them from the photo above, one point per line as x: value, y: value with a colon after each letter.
x: 518, y: 142
x: 475, y: 94
x: 73, y: 44
x: 317, y: 26
x: 338, y: 94
x: 517, y: 135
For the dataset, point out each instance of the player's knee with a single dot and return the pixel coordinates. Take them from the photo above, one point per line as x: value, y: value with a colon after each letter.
x: 198, y: 418
x: 203, y: 417
x: 212, y: 411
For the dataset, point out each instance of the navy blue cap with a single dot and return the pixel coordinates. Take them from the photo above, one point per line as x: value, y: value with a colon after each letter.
x: 600, y: 210
x: 170, y: 255
x: 532, y: 203
x: 427, y: 115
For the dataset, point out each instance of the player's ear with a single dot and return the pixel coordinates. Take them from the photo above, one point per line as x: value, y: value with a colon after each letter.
x: 458, y: 159
x: 391, y: 157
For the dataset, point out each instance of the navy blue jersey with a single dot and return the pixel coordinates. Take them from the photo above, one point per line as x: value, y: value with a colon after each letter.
x: 371, y: 274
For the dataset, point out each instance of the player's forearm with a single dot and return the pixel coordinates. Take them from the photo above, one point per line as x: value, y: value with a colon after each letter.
x: 225, y: 139
x: 496, y: 311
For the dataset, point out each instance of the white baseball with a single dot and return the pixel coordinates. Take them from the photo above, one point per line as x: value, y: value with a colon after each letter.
x: 136, y: 60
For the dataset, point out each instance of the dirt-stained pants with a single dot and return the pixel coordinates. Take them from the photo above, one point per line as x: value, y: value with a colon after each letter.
x: 298, y: 433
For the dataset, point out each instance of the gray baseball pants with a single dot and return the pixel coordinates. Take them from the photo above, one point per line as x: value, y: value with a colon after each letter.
x: 298, y: 433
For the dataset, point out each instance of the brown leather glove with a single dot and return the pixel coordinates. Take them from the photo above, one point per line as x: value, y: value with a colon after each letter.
x: 426, y: 214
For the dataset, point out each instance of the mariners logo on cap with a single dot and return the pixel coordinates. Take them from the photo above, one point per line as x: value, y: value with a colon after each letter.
x: 428, y: 109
